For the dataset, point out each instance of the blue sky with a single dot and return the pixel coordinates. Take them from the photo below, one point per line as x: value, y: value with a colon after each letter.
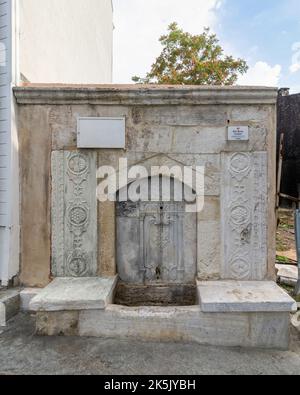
x: 264, y: 32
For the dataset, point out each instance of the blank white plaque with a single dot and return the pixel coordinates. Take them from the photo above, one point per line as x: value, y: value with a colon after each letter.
x: 101, y: 133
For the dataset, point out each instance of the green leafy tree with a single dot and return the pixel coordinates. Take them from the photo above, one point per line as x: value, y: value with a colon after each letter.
x: 189, y: 59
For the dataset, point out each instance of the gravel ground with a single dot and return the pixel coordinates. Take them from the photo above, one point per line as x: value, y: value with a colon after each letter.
x: 23, y: 353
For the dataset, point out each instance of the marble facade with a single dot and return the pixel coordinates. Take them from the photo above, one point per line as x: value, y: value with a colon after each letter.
x: 231, y: 239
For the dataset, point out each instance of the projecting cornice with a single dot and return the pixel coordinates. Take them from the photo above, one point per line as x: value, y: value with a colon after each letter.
x: 143, y: 95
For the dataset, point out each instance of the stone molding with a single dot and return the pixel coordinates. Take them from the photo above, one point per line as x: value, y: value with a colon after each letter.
x: 144, y: 95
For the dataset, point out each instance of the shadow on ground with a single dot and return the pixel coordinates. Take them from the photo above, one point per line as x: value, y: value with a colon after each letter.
x: 21, y: 352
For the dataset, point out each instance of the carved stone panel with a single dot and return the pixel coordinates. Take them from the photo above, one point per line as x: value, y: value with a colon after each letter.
x: 74, y: 214
x: 244, y: 216
x: 156, y: 243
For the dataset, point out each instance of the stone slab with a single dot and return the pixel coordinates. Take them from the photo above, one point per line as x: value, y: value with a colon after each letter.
x: 171, y: 324
x: 287, y: 274
x: 239, y: 297
x: 26, y: 297
x: 296, y: 321
x: 9, y: 305
x: 187, y: 324
x: 73, y: 294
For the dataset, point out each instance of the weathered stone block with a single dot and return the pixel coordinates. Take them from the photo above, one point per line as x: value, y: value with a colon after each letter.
x: 244, y: 297
x: 287, y: 274
x: 255, y: 114
x: 107, y: 239
x: 200, y: 139
x: 270, y: 330
x: 188, y: 324
x: 2, y: 315
x: 209, y: 250
x: 9, y: 305
x: 179, y: 116
x: 211, y: 210
x: 74, y: 214
x: 244, y: 216
x: 173, y: 324
x: 33, y: 126
x: 75, y: 294
x: 26, y: 297
x: 57, y: 323
x: 296, y: 321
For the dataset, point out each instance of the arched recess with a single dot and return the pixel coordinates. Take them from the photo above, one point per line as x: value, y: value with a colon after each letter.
x: 156, y: 235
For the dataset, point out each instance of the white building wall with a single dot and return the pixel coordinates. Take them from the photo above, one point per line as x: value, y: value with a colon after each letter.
x: 5, y: 98
x: 9, y: 151
x: 66, y: 41
x: 43, y: 41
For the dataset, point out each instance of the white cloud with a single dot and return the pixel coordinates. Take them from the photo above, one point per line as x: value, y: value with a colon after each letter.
x: 262, y: 74
x: 295, y: 66
x: 140, y: 23
x: 295, y: 89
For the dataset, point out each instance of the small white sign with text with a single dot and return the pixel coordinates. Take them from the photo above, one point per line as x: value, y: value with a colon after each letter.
x: 238, y: 133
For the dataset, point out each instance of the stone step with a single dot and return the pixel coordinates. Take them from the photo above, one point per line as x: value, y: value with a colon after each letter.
x: 9, y: 305
x: 244, y: 297
x: 170, y: 324
x: 287, y: 274
x: 74, y: 294
x: 27, y: 295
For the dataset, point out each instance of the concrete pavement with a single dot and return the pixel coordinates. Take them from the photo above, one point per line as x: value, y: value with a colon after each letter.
x: 21, y: 352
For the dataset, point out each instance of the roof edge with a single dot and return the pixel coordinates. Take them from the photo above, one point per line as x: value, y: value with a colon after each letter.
x: 143, y: 94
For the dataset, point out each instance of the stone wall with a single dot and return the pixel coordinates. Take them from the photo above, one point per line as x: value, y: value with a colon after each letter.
x: 164, y: 126
x: 289, y: 124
